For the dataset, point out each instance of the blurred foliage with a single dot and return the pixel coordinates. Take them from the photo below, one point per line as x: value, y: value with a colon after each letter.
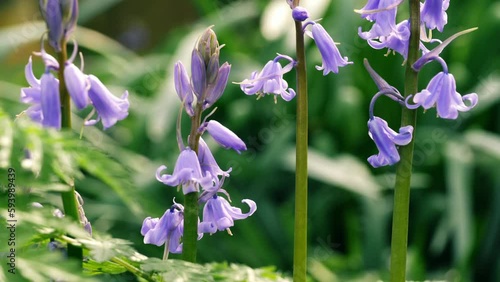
x: 455, y: 204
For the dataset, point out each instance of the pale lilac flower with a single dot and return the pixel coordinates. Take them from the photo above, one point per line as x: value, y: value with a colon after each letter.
x: 397, y: 40
x: 183, y: 87
x: 218, y: 214
x: 187, y: 172
x: 50, y: 101
x: 77, y: 85
x: 207, y: 161
x: 433, y: 14
x: 441, y: 93
x: 110, y: 108
x: 330, y: 54
x: 32, y: 95
x: 371, y: 11
x: 270, y: 80
x: 386, y: 140
x: 166, y: 230
x: 223, y: 136
x: 148, y: 224
x: 43, y: 94
x: 76, y: 81
x: 383, y: 13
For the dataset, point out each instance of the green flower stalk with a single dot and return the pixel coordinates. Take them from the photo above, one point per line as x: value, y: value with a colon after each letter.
x: 270, y: 81
x: 406, y: 39
x: 301, y: 173
x: 400, y: 216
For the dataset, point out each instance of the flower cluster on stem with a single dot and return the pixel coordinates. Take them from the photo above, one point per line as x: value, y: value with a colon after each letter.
x: 441, y: 91
x: 196, y: 170
x: 44, y: 94
x: 270, y: 79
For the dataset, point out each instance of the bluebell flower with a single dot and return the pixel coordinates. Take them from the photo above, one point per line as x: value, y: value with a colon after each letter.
x: 383, y: 13
x: 110, y: 108
x: 441, y: 93
x: 183, y: 87
x: 50, y: 101
x: 397, y: 40
x: 433, y: 14
x: 270, y: 80
x: 330, y: 54
x: 207, y: 161
x: 386, y: 140
x: 148, y: 224
x: 77, y: 85
x: 187, y: 172
x: 219, y: 215
x: 166, y: 230
x: 32, y: 95
x: 223, y: 136
x: 373, y: 8
x: 43, y: 93
x: 76, y: 81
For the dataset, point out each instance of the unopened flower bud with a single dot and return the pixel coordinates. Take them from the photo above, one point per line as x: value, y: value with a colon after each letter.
x: 198, y: 74
x: 60, y: 17
x: 208, y: 45
x: 212, y: 69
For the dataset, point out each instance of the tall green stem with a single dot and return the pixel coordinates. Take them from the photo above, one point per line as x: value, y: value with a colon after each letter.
x: 399, y: 240
x: 69, y: 200
x: 190, y: 236
x: 300, y: 228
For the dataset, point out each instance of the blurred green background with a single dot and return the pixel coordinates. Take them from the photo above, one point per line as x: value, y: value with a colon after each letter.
x: 455, y: 201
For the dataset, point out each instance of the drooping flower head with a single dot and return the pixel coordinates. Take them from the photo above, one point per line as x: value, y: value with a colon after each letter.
x: 441, y: 90
x: 187, y: 172
x: 441, y: 93
x: 270, y: 80
x: 43, y: 94
x: 383, y: 13
x: 110, y: 108
x: 219, y: 215
x: 32, y: 95
x: 330, y: 54
x: 386, y: 140
x: 165, y: 230
x: 208, y: 164
x: 76, y: 81
x: 397, y: 40
x: 433, y: 14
